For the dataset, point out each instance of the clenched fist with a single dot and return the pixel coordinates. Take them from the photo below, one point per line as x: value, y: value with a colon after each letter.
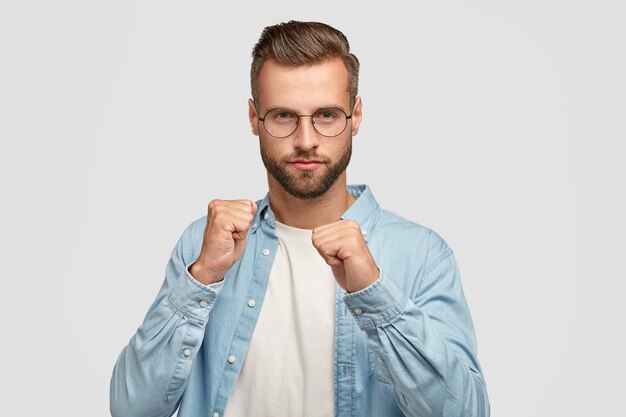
x: 343, y: 247
x: 224, y: 239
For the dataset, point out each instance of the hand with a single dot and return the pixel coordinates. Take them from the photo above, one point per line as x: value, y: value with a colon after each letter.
x: 343, y: 247
x: 224, y: 239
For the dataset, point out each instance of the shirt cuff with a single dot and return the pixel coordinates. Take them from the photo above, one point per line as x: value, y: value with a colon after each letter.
x: 194, y: 298
x: 377, y: 304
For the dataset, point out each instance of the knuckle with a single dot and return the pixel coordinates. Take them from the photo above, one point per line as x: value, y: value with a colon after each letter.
x: 213, y: 204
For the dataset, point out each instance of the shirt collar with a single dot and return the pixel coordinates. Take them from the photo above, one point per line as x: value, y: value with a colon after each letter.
x: 263, y: 213
x: 364, y: 210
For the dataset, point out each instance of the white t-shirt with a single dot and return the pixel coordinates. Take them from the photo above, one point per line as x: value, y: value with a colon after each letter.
x: 288, y: 370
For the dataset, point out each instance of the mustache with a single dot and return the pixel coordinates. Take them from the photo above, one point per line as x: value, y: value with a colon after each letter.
x: 307, y: 156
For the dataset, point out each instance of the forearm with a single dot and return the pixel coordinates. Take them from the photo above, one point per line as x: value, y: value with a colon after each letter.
x: 429, y: 365
x: 152, y: 370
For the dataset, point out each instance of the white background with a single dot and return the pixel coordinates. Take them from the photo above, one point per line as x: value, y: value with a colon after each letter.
x: 498, y: 124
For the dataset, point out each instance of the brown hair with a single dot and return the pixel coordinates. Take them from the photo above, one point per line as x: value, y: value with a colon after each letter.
x: 303, y: 43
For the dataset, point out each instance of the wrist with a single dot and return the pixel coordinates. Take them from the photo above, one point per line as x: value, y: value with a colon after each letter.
x: 203, y: 274
x: 361, y: 285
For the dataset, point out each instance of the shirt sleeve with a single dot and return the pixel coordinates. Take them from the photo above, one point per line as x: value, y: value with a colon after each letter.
x: 151, y: 371
x: 425, y: 345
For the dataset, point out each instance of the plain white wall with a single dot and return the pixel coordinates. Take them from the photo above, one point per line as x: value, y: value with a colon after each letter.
x: 498, y: 124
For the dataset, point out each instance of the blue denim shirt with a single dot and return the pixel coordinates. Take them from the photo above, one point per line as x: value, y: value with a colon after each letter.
x: 404, y: 346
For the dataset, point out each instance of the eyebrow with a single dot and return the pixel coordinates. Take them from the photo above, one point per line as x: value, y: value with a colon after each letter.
x: 329, y: 106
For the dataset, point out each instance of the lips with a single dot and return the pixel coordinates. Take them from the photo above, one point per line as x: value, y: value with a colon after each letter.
x: 306, y: 164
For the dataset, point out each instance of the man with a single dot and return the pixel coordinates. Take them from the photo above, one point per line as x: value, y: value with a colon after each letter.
x: 312, y: 301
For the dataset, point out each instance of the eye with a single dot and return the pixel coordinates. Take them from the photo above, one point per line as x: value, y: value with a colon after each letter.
x: 283, y: 116
x: 326, y: 115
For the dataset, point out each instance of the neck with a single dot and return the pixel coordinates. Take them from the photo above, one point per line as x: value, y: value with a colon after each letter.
x: 309, y: 214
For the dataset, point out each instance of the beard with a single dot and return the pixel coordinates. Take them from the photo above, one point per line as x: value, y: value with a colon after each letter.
x: 310, y: 184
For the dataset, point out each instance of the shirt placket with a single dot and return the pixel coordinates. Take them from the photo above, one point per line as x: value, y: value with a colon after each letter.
x: 345, y: 357
x: 264, y: 258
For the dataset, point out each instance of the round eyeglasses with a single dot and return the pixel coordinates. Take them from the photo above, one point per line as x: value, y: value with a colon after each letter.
x: 281, y: 123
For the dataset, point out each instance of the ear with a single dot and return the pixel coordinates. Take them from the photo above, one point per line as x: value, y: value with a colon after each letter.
x: 253, y: 117
x: 357, y: 115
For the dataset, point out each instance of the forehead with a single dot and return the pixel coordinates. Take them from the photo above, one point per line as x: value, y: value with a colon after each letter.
x: 304, y: 88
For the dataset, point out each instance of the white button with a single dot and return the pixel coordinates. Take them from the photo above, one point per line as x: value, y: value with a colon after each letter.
x: 204, y: 304
x: 187, y: 352
x: 363, y: 232
x: 266, y: 251
x: 267, y: 216
x: 251, y: 303
x: 216, y: 414
x: 357, y: 311
x: 255, y: 225
x: 232, y: 359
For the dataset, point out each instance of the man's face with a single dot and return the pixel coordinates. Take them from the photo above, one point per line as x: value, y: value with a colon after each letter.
x: 305, y: 163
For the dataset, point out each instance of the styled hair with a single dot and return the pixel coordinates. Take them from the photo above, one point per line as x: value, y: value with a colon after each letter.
x: 303, y: 43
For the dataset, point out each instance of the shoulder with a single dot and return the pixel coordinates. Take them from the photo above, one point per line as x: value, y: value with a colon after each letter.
x: 394, y: 222
x: 198, y: 224
x: 413, y: 236
x: 190, y: 241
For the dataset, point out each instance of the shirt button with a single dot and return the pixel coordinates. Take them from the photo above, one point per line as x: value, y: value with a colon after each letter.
x: 266, y: 251
x: 216, y: 414
x: 232, y: 359
x: 251, y: 303
x: 266, y: 216
x: 255, y: 225
x: 204, y: 304
x: 187, y: 352
x: 357, y: 311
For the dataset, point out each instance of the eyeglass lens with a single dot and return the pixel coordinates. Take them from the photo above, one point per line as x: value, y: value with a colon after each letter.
x: 327, y: 122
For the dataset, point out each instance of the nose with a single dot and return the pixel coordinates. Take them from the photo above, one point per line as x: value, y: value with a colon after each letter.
x: 305, y: 137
